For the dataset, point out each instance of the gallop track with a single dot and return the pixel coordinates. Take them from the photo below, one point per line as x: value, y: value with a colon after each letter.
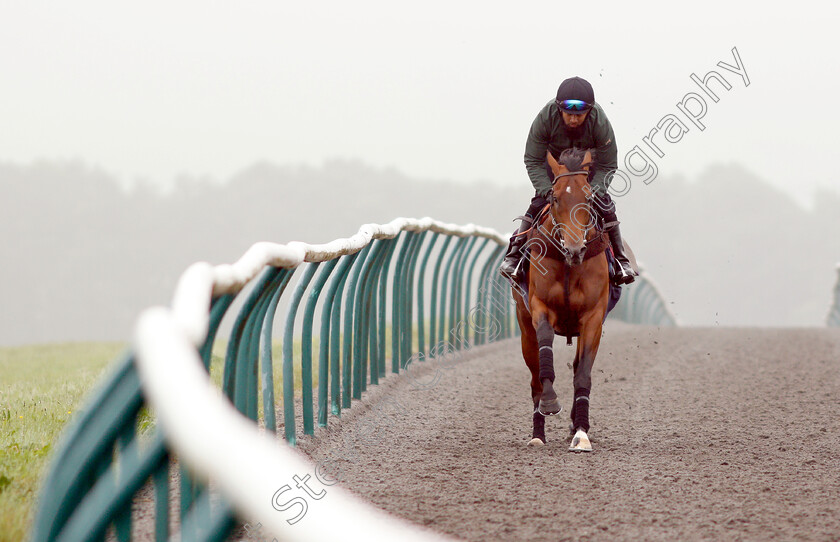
x: 699, y: 433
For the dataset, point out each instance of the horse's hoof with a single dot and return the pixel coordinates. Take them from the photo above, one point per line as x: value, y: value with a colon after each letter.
x: 550, y: 408
x: 580, y: 442
x: 536, y: 442
x: 549, y: 403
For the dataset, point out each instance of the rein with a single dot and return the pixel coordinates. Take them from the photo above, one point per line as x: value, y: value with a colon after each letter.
x: 568, y: 174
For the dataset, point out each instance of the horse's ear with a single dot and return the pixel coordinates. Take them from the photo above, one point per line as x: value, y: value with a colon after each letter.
x: 555, y: 167
x: 587, y: 160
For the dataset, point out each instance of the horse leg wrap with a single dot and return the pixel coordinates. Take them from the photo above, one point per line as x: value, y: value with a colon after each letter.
x: 580, y: 409
x: 545, y: 340
x: 539, y: 426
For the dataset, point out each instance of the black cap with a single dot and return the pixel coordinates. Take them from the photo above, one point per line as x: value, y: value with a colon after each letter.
x: 576, y: 88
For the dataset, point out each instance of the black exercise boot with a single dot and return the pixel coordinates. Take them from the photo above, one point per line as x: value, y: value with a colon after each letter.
x: 514, y: 251
x: 628, y: 274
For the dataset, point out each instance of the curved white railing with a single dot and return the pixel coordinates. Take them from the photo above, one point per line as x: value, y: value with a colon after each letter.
x: 201, y: 281
x: 207, y: 432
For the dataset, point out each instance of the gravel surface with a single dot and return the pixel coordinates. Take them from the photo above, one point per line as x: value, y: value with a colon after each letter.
x: 699, y: 433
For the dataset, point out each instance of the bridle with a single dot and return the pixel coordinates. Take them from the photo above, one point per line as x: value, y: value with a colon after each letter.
x: 552, y: 199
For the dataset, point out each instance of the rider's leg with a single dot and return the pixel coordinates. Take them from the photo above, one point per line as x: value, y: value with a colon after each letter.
x: 605, y: 207
x: 513, y: 254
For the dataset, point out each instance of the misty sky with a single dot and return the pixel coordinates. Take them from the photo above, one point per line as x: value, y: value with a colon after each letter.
x: 443, y: 90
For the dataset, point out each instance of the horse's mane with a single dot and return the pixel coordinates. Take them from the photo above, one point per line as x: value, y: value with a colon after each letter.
x: 573, y: 158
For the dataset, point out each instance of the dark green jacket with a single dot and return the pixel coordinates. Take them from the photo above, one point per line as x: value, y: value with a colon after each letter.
x: 547, y: 133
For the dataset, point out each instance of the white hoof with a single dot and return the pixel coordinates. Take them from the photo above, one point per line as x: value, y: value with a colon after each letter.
x: 536, y: 442
x: 580, y: 442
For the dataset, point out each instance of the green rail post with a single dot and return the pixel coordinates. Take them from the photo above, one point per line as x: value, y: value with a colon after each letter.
x: 455, y: 328
x: 498, y: 294
x: 370, y: 348
x: 383, y: 295
x: 469, y: 278
x: 266, y: 361
x: 397, y: 306
x: 335, y: 294
x: 247, y: 349
x: 288, y: 358
x: 306, y: 349
x: 494, y: 278
x: 360, y: 317
x: 433, y: 302
x: 236, y: 336
x: 453, y: 256
x: 340, y: 264
x: 408, y: 299
x: 470, y: 311
x: 421, y: 280
x: 482, y: 333
x: 350, y: 327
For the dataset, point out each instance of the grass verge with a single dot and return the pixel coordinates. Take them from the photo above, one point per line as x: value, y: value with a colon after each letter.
x: 41, y: 387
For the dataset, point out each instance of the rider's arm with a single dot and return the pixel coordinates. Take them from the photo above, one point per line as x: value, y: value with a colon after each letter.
x: 535, y: 149
x: 606, y: 160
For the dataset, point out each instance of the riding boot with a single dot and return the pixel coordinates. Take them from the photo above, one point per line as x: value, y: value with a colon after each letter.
x: 510, y: 267
x: 626, y: 274
x: 510, y: 264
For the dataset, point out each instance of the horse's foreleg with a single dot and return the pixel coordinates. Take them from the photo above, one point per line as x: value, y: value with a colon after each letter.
x: 549, y: 404
x: 530, y: 353
x: 574, y: 370
x: 587, y: 349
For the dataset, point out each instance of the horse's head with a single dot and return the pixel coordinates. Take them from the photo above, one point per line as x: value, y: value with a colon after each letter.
x: 571, y: 218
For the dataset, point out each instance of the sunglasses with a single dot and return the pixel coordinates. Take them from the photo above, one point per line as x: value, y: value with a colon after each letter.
x: 574, y: 106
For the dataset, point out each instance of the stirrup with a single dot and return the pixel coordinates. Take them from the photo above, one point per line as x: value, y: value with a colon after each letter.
x: 624, y: 277
x: 512, y: 270
x: 507, y: 270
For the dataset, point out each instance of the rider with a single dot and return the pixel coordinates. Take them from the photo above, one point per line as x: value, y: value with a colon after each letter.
x: 573, y: 119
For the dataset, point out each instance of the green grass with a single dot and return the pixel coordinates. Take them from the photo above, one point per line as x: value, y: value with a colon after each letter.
x: 40, y: 389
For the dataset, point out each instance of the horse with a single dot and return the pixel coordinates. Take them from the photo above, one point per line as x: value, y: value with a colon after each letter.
x: 568, y: 293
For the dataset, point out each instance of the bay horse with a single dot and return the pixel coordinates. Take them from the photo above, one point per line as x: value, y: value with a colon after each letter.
x: 568, y: 293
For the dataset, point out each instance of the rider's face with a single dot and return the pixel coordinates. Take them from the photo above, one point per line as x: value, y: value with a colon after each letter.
x: 573, y: 121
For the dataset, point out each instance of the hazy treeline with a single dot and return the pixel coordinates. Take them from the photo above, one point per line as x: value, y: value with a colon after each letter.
x: 82, y: 256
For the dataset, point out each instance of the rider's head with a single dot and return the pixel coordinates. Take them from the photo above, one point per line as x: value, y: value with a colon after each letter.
x: 575, y: 98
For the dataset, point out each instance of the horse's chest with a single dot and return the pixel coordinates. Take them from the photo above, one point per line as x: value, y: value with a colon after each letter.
x: 579, y: 298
